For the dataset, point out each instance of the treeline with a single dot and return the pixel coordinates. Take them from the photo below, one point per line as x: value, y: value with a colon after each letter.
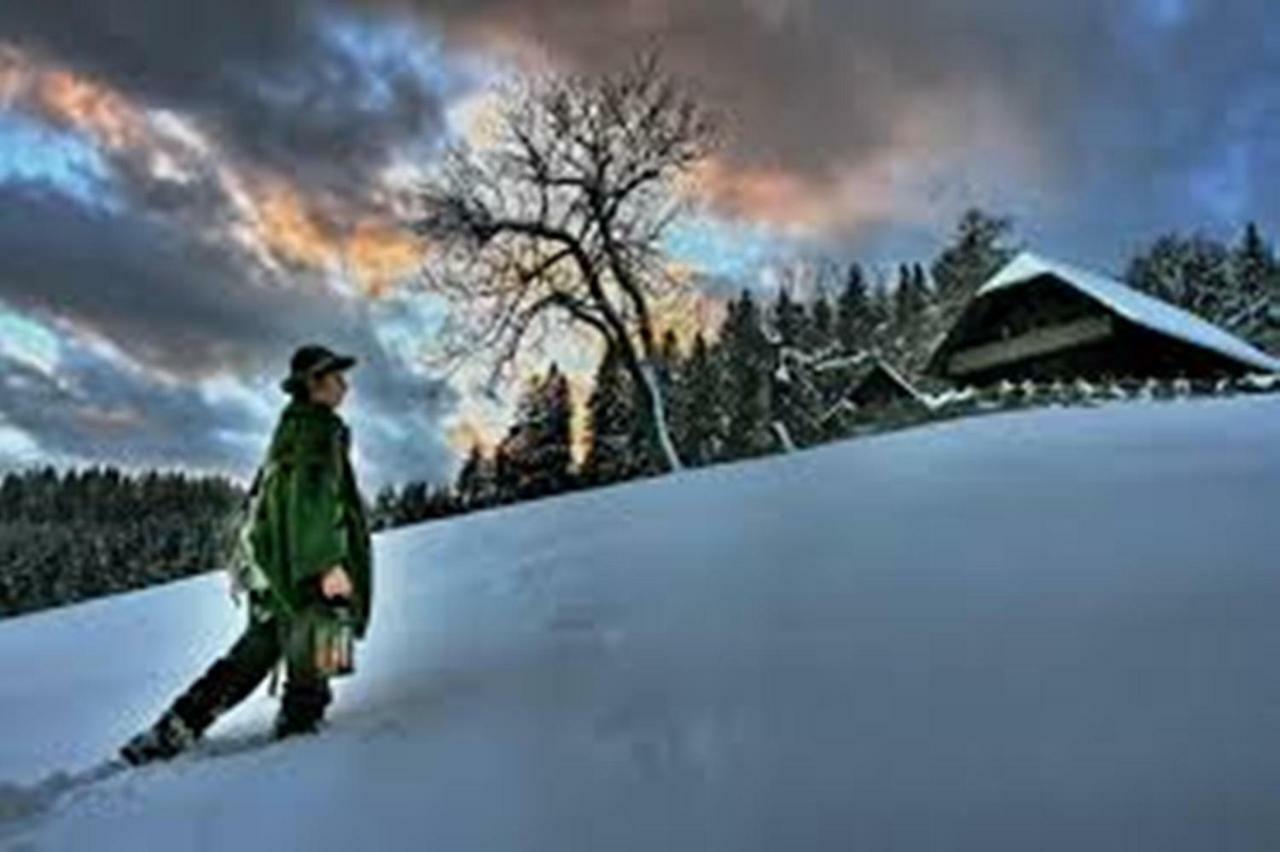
x: 76, y: 534
x: 773, y: 375
x: 1235, y: 286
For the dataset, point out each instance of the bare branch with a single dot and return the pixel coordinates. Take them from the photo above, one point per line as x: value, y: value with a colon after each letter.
x: 561, y: 217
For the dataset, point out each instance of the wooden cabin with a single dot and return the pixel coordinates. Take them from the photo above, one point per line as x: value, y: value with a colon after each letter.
x: 1042, y: 320
x: 871, y: 392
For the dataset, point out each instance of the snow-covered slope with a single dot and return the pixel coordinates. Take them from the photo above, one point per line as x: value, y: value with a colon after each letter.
x: 1035, y: 630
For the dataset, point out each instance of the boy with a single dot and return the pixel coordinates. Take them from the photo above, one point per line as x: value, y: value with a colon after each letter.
x: 310, y: 541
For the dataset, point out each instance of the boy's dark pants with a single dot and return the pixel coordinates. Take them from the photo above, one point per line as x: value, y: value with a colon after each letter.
x: 234, y: 676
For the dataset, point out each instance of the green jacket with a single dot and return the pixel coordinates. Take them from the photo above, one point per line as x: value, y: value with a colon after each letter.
x: 310, y: 514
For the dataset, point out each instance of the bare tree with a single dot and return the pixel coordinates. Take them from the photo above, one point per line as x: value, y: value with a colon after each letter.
x: 555, y: 223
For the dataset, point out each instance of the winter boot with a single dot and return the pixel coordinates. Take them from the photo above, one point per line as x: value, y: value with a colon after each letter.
x: 287, y: 726
x: 302, y: 708
x: 169, y: 736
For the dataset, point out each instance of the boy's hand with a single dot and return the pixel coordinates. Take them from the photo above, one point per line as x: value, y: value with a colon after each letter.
x: 335, y: 583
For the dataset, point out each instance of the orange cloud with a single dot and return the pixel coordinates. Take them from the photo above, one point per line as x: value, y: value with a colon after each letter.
x: 276, y: 218
x: 900, y: 181
x: 344, y: 237
x: 381, y: 255
x: 91, y: 108
x: 291, y: 228
x: 374, y: 252
x: 761, y: 194
x: 69, y: 100
x: 803, y: 205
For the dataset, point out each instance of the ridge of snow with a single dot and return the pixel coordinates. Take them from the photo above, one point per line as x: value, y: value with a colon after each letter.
x: 1134, y: 305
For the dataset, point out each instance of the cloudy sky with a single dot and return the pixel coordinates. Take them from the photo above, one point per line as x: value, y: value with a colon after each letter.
x: 189, y: 190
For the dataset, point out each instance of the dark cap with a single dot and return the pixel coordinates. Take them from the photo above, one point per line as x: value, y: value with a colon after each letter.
x: 312, y: 360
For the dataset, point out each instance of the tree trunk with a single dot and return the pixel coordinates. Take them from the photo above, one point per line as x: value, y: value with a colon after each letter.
x: 658, y: 416
x: 649, y: 405
x: 783, y: 435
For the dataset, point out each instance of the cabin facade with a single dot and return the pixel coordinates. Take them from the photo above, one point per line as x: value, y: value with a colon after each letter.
x: 1043, y: 320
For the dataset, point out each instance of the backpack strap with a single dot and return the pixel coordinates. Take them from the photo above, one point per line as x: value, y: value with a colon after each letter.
x: 245, y: 573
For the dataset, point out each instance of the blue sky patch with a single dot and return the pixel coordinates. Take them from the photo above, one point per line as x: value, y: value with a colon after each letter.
x: 720, y: 247
x: 32, y: 152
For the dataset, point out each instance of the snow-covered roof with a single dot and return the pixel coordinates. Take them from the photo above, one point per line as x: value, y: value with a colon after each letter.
x: 896, y: 377
x: 1133, y: 305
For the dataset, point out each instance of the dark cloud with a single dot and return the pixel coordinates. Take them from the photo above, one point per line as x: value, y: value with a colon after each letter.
x: 163, y: 295
x: 272, y: 79
x: 97, y: 410
x: 1149, y: 109
x: 181, y: 309
x: 1131, y: 109
x: 812, y: 83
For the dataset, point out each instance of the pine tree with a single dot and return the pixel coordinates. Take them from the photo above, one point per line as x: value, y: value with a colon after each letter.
x: 904, y: 303
x: 616, y: 449
x: 673, y: 381
x: 553, y: 442
x: 880, y: 315
x: 505, y: 476
x: 444, y: 501
x: 384, y: 508
x: 414, y: 501
x: 704, y: 428
x: 747, y: 359
x: 978, y: 250
x: 822, y: 321
x: 1254, y: 311
x: 921, y: 281
x: 538, y: 446
x: 789, y: 320
x: 1194, y: 273
x: 470, y: 482
x: 853, y: 320
x: 1254, y: 261
x: 521, y: 443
